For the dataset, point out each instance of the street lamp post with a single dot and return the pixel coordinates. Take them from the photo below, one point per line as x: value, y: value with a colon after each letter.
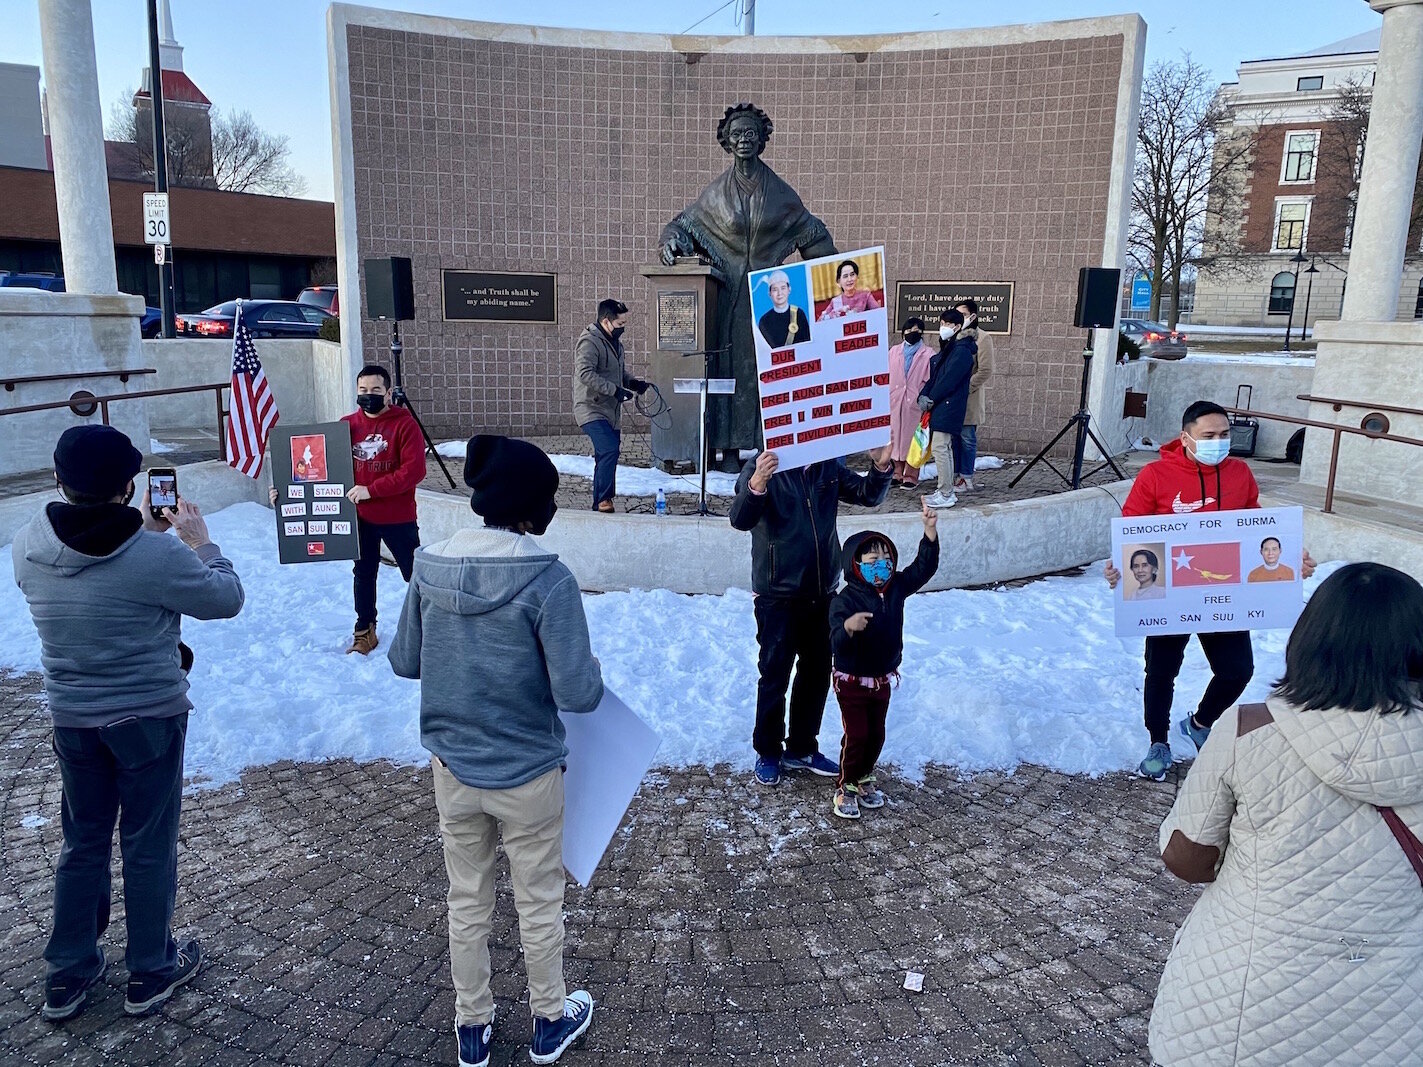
x: 1311, y: 270
x: 1296, y: 259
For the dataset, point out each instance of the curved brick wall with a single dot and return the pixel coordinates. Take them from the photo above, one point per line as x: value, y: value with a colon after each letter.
x: 484, y: 147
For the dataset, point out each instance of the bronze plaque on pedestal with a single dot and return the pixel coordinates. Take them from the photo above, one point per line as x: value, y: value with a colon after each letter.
x: 928, y: 300
x: 677, y: 320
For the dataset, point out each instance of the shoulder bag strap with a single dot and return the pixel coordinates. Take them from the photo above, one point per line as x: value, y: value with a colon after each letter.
x: 1407, y: 840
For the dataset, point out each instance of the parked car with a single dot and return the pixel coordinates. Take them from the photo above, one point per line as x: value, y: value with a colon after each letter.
x: 151, y: 324
x: 325, y: 297
x: 1154, y: 339
x: 265, y: 318
x: 52, y: 283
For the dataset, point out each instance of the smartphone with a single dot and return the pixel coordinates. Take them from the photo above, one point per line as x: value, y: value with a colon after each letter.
x: 162, y: 490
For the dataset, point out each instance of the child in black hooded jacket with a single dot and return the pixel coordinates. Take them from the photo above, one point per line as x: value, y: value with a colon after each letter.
x: 867, y: 642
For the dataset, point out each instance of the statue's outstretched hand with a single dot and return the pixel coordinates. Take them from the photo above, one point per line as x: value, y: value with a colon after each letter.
x: 674, y: 247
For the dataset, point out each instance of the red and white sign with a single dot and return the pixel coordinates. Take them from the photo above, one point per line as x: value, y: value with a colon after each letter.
x: 822, y: 356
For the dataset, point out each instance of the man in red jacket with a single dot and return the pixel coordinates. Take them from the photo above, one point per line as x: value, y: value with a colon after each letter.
x: 389, y: 453
x: 1195, y: 473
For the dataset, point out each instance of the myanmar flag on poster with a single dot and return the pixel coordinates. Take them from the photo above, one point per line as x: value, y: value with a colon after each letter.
x: 1217, y: 564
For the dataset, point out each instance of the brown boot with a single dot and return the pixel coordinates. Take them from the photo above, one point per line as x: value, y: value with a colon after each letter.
x: 605, y: 506
x: 364, y: 641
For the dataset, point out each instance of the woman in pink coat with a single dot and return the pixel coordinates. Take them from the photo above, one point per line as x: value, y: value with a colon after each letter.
x: 908, y: 371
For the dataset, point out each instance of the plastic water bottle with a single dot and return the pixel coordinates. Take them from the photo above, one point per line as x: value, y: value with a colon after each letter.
x: 661, y: 502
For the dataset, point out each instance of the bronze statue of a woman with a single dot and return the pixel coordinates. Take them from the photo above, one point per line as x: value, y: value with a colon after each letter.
x: 747, y: 219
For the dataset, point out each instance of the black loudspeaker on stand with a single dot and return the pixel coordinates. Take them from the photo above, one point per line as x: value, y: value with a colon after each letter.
x: 1097, y: 296
x: 390, y: 297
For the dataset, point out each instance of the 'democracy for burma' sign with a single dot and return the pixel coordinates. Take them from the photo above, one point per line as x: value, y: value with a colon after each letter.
x: 1209, y: 571
x: 822, y: 356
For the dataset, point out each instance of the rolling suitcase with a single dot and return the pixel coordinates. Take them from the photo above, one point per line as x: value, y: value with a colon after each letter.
x: 1243, y: 429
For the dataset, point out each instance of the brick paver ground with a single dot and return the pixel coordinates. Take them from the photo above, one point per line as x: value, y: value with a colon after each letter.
x: 727, y: 923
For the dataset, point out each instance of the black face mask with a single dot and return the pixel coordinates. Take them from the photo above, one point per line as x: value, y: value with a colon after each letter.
x: 913, y: 337
x: 370, y: 403
x: 617, y: 332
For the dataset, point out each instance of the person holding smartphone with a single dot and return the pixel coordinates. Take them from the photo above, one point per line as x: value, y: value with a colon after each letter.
x: 107, y: 589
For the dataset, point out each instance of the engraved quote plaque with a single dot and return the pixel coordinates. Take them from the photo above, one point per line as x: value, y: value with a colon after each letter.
x: 677, y: 321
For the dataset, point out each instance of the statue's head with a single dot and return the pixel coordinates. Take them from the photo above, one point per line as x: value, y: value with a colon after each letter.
x: 744, y: 130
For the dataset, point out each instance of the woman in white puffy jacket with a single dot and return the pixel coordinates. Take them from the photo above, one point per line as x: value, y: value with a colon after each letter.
x: 1303, y: 814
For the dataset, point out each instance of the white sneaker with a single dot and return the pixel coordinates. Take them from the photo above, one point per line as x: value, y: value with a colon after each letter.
x: 963, y: 485
x: 939, y: 500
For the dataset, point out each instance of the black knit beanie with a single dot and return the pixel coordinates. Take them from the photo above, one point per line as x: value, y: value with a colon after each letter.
x: 98, y: 461
x: 513, y: 482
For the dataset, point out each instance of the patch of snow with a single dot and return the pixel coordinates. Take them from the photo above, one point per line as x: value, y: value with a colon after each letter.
x: 1191, y: 329
x: 1255, y: 359
x: 158, y: 448
x: 34, y: 822
x: 992, y: 678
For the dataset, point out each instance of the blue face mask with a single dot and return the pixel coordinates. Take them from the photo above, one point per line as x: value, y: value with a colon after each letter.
x: 878, y: 572
x: 1210, y: 453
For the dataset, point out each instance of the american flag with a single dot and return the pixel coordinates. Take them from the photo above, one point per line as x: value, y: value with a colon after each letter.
x: 252, y: 411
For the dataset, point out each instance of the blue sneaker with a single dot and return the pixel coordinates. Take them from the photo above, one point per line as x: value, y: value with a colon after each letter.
x: 768, y: 770
x: 474, y: 1043
x: 815, y: 763
x: 552, y: 1036
x: 1157, y: 762
x: 62, y: 1000
x: 1196, y: 733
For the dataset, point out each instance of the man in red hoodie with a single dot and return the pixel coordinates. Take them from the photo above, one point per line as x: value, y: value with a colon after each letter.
x: 1195, y: 473
x: 389, y: 453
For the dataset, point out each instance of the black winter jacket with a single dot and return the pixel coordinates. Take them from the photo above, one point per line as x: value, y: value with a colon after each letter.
x: 877, y: 649
x: 950, y: 372
x: 795, y: 547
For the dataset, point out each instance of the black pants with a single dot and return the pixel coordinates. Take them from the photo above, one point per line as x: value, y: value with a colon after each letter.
x: 792, y: 632
x: 130, y: 773
x: 1232, y: 665
x: 402, y: 538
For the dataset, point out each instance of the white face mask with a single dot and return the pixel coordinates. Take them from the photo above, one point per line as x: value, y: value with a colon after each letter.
x: 1210, y: 453
x: 946, y: 332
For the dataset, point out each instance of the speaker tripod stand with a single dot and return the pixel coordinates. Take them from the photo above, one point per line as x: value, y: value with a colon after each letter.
x: 1082, y: 424
x: 399, y: 399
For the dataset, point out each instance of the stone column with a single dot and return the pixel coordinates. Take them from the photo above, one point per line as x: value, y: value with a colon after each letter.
x: 1390, y: 167
x: 76, y: 126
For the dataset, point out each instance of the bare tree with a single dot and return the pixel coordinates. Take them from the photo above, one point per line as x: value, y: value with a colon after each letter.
x: 1184, y: 175
x: 216, y: 150
x: 246, y: 159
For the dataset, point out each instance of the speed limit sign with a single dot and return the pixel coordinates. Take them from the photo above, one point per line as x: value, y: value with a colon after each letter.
x: 155, y: 219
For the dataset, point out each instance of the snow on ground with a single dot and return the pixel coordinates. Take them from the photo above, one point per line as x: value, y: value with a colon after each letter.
x: 1193, y: 328
x: 157, y: 447
x: 645, y: 481
x: 1275, y: 358
x: 992, y: 678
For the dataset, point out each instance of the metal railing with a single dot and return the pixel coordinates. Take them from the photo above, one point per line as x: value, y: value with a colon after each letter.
x: 31, y: 379
x: 1340, y: 405
x: 1338, y: 430
x: 81, y: 401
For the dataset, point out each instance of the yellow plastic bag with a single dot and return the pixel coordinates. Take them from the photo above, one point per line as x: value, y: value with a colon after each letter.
x: 919, y: 444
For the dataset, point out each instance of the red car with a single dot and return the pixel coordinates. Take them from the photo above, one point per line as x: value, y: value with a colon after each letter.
x: 325, y: 297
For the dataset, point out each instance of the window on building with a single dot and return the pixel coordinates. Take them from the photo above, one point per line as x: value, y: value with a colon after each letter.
x: 1418, y: 306
x: 1282, y: 293
x: 1314, y: 81
x: 1291, y: 225
x: 1301, y: 148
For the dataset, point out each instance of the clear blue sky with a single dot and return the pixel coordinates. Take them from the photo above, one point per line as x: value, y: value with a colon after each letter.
x: 269, y: 56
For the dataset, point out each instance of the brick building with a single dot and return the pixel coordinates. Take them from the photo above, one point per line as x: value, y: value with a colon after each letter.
x: 1303, y: 117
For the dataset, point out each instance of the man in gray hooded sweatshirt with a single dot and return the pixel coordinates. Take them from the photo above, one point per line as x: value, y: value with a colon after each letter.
x: 493, y: 627
x: 107, y: 590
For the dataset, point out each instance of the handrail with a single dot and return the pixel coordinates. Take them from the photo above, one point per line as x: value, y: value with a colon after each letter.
x: 1337, y: 429
x: 75, y: 402
x: 121, y: 375
x: 1339, y: 405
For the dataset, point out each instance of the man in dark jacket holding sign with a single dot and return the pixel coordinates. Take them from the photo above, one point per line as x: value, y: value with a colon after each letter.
x: 795, y: 567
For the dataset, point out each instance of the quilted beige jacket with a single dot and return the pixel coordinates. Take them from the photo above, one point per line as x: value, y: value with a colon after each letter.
x: 1307, y: 949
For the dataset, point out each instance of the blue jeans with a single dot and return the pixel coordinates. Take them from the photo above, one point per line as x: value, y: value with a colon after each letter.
x: 130, y: 773
x: 607, y: 443
x: 965, y: 451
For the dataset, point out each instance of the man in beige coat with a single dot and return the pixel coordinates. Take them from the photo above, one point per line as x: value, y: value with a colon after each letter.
x: 965, y: 443
x: 601, y: 385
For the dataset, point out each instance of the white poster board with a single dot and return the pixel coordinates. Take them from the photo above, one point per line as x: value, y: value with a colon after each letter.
x: 1209, y: 571
x: 609, y: 752
x: 822, y: 356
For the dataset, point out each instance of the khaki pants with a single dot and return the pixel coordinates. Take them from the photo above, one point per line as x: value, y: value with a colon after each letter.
x: 530, y: 818
x: 942, y: 445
